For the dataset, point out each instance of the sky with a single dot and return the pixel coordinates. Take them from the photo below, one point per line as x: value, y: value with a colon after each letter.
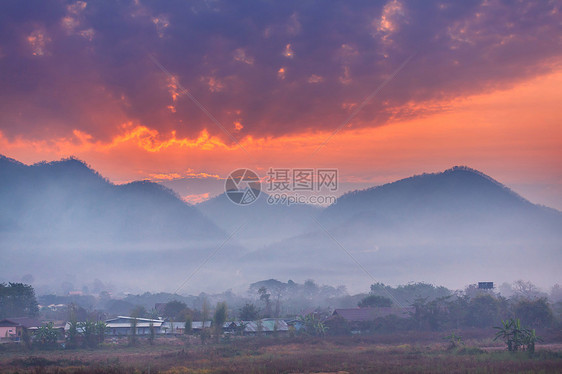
x: 184, y: 92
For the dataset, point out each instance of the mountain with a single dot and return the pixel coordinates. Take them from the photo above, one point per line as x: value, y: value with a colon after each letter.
x: 69, y: 202
x: 63, y: 222
x: 458, y: 223
x: 459, y: 200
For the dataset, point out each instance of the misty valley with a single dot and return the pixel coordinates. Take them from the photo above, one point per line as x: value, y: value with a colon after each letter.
x: 88, y: 264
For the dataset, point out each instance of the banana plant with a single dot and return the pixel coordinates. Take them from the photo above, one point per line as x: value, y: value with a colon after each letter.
x: 515, y: 336
x: 530, y: 339
x: 504, y: 332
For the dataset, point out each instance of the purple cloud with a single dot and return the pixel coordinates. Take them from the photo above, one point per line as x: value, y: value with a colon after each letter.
x: 274, y: 67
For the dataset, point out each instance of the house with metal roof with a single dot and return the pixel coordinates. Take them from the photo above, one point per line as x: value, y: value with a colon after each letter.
x: 177, y: 328
x: 122, y: 326
x: 266, y: 326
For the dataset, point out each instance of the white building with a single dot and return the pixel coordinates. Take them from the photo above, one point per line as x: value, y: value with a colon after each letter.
x: 121, y: 326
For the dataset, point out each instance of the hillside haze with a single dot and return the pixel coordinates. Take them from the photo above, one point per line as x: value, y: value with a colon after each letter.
x: 262, y: 222
x: 458, y: 226
x: 62, y: 221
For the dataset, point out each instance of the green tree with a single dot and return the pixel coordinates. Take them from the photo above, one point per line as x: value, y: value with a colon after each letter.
x: 174, y: 310
x: 526, y: 290
x: 219, y: 319
x: 457, y: 311
x: 17, y: 299
x: 133, y: 335
x: 188, y: 329
x: 535, y: 313
x: 483, y: 311
x: 265, y: 297
x: 152, y: 333
x: 374, y: 301
x: 259, y: 326
x: 101, y: 327
x: 431, y: 314
x: 205, y: 311
x: 204, y: 333
x: 407, y: 294
x: 26, y: 338
x: 139, y: 312
x: 249, y: 312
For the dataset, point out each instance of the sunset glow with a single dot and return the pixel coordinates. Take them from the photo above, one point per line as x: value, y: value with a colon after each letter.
x: 514, y: 134
x: 469, y: 99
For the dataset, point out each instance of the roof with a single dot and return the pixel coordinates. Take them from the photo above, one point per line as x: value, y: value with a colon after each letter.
x: 199, y: 324
x: 268, y: 325
x: 370, y: 314
x: 195, y: 325
x: 128, y: 319
x: 125, y: 322
x: 26, y: 322
x: 175, y: 325
x: 113, y: 325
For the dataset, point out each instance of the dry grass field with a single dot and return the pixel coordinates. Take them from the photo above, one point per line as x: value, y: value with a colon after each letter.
x: 424, y: 353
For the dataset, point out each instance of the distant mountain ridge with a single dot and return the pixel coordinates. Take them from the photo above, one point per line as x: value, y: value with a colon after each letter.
x: 67, y: 199
x: 459, y: 190
x: 430, y: 227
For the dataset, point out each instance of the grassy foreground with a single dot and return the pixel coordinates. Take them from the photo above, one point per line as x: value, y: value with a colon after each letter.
x: 288, y: 355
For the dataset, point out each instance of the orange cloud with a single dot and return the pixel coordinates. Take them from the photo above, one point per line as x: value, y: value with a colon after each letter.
x: 150, y: 140
x: 164, y: 176
x: 196, y: 198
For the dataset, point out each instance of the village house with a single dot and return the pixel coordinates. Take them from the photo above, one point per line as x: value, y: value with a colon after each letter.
x: 265, y: 326
x: 12, y: 328
x: 178, y: 328
x: 121, y: 326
